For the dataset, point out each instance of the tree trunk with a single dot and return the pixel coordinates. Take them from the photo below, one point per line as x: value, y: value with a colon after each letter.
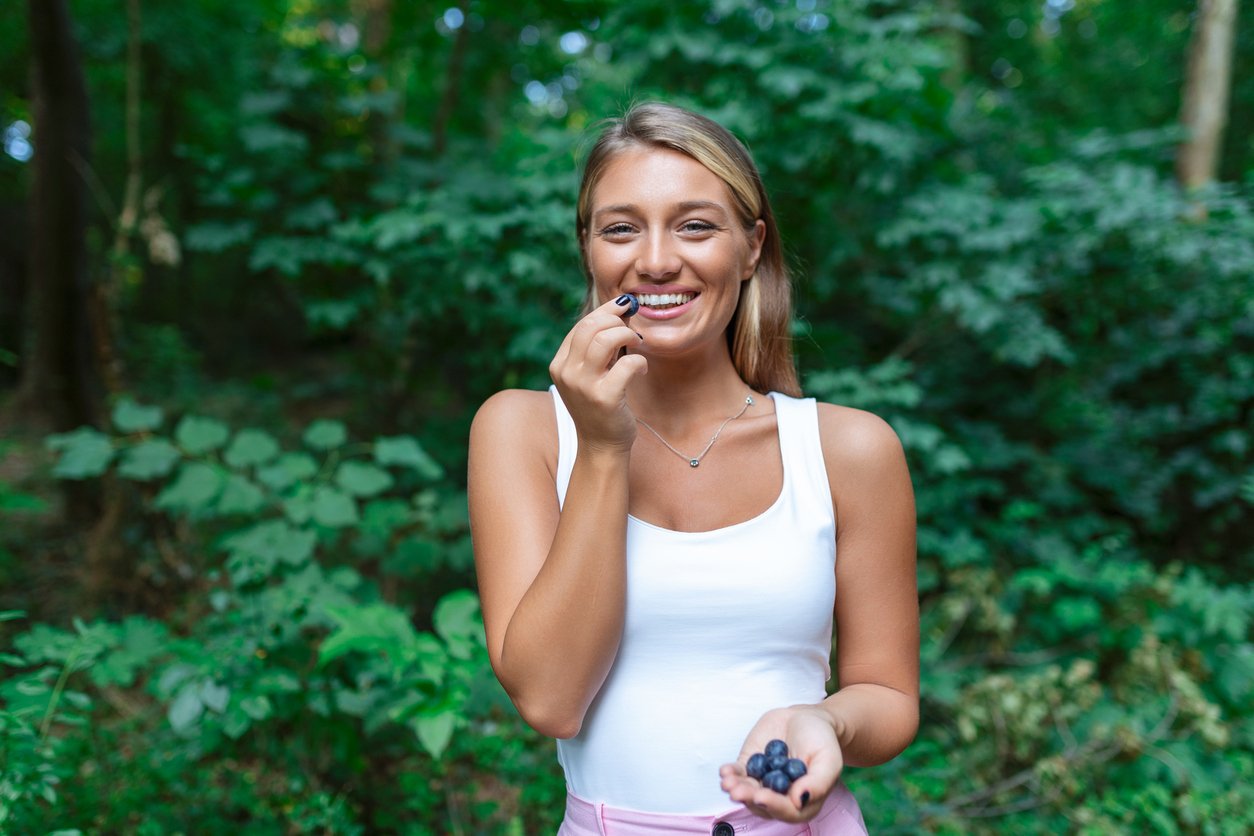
x: 1204, y: 109
x: 59, y: 386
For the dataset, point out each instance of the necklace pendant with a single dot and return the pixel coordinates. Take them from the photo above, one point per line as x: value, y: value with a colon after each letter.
x: 694, y: 462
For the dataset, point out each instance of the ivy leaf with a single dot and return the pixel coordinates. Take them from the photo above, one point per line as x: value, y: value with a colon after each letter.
x: 404, y: 451
x: 333, y: 508
x: 131, y: 417
x: 195, y: 487
x: 84, y: 453
x: 434, y: 731
x: 150, y: 459
x: 325, y: 434
x: 199, y: 435
x: 362, y: 479
x: 250, y: 448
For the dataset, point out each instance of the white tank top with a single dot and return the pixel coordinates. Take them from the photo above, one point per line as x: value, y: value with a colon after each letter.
x: 721, y: 626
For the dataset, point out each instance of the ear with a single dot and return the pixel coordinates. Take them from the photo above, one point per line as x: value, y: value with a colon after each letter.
x: 757, y: 237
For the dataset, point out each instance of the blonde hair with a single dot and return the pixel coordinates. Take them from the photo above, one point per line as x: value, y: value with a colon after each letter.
x: 758, y: 335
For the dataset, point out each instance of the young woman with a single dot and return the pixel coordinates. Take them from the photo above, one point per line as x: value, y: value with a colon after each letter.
x: 665, y: 538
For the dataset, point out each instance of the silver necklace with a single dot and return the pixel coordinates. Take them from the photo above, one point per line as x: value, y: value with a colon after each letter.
x: 693, y: 461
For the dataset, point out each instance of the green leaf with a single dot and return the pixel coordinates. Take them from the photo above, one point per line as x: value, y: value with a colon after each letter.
x: 333, y: 508
x: 250, y: 448
x: 325, y: 434
x: 150, y: 459
x: 275, y: 539
x: 434, y: 731
x: 372, y: 628
x: 131, y: 417
x: 214, y: 696
x: 289, y: 469
x: 240, y: 496
x: 258, y: 707
x: 195, y: 487
x: 184, y: 713
x: 456, y: 620
x: 84, y: 453
x: 362, y: 479
x: 199, y: 435
x: 404, y: 451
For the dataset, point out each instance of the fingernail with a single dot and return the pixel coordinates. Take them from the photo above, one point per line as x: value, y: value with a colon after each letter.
x: 805, y: 798
x: 641, y: 336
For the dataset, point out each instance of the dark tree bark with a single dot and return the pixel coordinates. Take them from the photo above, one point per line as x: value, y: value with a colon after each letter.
x: 59, y: 386
x: 1204, y: 106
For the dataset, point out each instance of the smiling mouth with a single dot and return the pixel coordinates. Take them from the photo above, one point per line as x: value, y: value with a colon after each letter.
x: 662, y: 301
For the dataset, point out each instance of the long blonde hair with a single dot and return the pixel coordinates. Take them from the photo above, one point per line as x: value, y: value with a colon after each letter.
x: 758, y: 335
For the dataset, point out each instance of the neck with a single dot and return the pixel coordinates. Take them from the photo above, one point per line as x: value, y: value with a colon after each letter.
x: 684, y: 396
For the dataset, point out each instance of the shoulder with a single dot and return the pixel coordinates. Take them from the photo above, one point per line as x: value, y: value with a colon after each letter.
x: 515, y: 418
x: 857, y: 439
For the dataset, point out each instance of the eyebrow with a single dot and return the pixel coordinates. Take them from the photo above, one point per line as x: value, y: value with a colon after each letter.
x: 685, y: 206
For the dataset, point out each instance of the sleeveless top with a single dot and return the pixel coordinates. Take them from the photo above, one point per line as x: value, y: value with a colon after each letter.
x: 721, y: 626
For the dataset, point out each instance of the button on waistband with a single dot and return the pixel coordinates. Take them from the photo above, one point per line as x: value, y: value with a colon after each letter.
x: 723, y: 829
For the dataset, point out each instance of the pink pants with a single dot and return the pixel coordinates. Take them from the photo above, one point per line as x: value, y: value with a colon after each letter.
x: 840, y: 816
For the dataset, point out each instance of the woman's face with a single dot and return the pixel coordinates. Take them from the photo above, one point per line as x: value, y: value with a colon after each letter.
x: 664, y: 227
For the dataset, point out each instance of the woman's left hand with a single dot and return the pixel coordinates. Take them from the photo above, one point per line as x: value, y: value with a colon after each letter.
x: 808, y: 731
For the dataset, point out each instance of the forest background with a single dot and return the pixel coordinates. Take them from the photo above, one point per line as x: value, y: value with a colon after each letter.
x: 260, y: 261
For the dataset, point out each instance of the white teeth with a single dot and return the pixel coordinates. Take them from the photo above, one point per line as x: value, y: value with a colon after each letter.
x: 655, y: 300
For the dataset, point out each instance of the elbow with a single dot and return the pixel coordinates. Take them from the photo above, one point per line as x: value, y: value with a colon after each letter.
x: 549, y: 719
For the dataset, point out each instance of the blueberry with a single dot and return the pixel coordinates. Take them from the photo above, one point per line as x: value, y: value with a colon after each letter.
x: 776, y: 747
x: 776, y: 762
x: 756, y: 767
x: 776, y: 780
x: 795, y: 768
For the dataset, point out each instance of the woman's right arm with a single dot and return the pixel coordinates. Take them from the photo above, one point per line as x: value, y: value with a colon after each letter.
x: 552, y: 582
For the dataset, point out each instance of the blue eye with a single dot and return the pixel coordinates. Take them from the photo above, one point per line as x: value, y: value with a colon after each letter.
x: 698, y: 226
x: 616, y: 229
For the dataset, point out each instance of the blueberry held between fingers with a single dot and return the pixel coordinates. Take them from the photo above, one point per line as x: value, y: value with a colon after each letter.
x: 756, y: 766
x: 776, y: 747
x: 629, y: 299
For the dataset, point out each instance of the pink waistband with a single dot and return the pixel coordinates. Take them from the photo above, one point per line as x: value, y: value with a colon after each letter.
x: 840, y: 816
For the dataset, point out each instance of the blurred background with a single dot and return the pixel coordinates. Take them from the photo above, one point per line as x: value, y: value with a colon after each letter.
x: 260, y: 261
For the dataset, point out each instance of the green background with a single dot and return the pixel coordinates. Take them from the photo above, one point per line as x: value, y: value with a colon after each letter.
x: 241, y: 603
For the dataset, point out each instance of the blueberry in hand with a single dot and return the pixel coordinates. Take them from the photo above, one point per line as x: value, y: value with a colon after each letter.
x: 776, y: 747
x: 776, y: 762
x: 777, y: 781
x: 795, y: 768
x: 756, y: 766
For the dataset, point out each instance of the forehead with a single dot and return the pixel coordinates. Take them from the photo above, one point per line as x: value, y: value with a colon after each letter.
x: 657, y: 177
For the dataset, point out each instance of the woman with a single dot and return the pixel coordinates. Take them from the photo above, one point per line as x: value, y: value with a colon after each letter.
x: 656, y: 537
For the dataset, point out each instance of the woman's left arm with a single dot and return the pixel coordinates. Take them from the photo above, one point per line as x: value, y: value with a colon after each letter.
x: 874, y: 714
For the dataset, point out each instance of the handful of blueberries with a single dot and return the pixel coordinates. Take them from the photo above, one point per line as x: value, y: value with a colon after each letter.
x: 774, y: 768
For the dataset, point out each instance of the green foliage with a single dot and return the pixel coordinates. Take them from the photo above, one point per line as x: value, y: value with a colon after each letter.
x: 990, y: 252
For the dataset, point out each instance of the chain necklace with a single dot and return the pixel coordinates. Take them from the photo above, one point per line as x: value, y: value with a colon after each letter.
x: 693, y: 461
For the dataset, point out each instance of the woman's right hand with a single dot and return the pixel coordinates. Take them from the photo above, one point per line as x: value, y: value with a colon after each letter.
x: 591, y: 372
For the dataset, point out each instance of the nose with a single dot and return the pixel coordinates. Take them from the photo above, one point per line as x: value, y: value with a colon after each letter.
x: 657, y: 258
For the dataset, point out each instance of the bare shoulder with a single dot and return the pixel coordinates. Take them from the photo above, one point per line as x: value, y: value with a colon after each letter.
x: 515, y: 428
x: 515, y: 414
x: 855, y: 440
